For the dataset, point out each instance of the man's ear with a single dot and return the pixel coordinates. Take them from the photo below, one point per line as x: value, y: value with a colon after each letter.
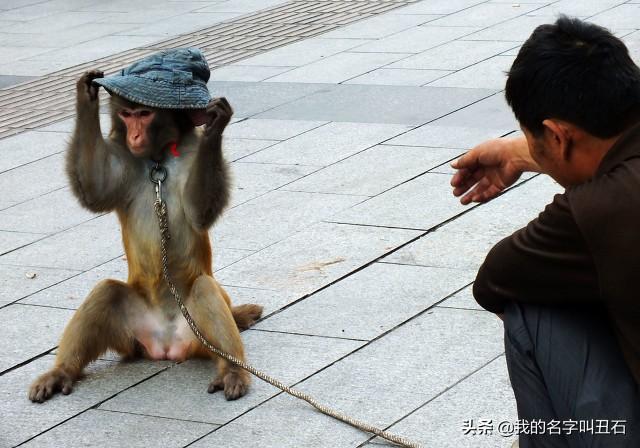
x: 559, y: 138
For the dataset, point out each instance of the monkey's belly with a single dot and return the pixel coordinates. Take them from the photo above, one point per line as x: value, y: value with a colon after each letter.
x: 165, y: 339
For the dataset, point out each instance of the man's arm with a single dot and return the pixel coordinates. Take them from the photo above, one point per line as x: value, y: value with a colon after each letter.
x: 546, y: 263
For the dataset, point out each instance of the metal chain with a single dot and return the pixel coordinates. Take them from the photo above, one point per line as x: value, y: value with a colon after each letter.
x: 161, y: 211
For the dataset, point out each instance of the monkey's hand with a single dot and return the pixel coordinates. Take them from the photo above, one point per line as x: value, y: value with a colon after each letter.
x: 55, y: 380
x: 219, y: 113
x: 87, y: 90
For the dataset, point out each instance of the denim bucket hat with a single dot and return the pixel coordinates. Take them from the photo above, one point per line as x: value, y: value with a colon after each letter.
x: 170, y: 79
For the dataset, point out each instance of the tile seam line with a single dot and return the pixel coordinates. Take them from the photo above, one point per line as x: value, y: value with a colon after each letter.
x: 76, y: 274
x: 236, y: 20
x: 365, y: 344
x: 154, y: 416
x: 94, y: 406
x: 456, y: 39
x: 464, y: 378
x: 380, y: 258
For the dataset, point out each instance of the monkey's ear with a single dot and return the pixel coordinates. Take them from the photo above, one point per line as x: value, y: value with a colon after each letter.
x: 198, y: 116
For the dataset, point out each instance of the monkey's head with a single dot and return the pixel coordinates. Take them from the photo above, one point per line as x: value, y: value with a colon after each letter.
x: 147, y: 131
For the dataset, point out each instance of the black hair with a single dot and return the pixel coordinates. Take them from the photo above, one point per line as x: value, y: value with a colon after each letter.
x: 577, y: 72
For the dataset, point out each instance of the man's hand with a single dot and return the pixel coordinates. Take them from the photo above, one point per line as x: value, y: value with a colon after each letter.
x: 489, y: 168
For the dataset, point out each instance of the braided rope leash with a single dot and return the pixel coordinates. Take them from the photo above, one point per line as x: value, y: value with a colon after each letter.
x: 161, y: 211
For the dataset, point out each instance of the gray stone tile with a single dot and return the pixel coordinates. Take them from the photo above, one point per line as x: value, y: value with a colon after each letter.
x: 398, y: 77
x: 37, y: 328
x: 338, y: 68
x: 237, y: 148
x: 59, y: 21
x: 35, y: 179
x: 16, y: 281
x: 422, y: 203
x: 477, y: 231
x: 26, y: 11
x: 284, y: 422
x: 250, y: 73
x: 399, y: 372
x: 249, y: 98
x: 454, y: 55
x: 8, y: 81
x: 416, y: 40
x: 328, y: 144
x: 223, y: 256
x: 42, y: 214
x: 30, y: 146
x: 620, y: 17
x: 484, y: 15
x: 436, y: 7
x: 140, y: 16
x: 270, y: 300
x: 488, y: 113
x: 378, y: 26
x: 133, y: 431
x: 488, y: 74
x: 632, y: 41
x: 515, y: 30
x: 243, y: 6
x: 303, y: 52
x: 369, y: 302
x: 180, y: 24
x: 440, y: 422
x: 181, y: 392
x: 463, y: 299
x: 275, y: 216
x: 12, y: 240
x: 85, y: 51
x: 72, y: 292
x: 270, y: 129
x: 60, y: 39
x: 251, y: 180
x: 77, y: 248
x: 312, y: 258
x: 103, y: 380
x: 178, y: 7
x: 374, y: 170
x: 447, y: 136
x: 68, y: 124
x: 364, y: 104
x: 585, y: 8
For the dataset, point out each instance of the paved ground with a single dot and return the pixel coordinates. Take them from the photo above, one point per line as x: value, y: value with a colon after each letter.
x: 342, y: 226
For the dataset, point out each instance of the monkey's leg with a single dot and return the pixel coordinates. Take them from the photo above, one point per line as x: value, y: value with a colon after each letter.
x: 245, y: 315
x: 99, y: 324
x: 212, y: 314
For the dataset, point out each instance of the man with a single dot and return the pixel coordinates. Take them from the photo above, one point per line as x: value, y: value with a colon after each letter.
x: 568, y: 285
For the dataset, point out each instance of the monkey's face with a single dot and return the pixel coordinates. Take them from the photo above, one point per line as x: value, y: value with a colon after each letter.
x: 137, y: 121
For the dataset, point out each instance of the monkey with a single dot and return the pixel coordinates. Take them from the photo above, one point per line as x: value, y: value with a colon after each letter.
x: 139, y: 317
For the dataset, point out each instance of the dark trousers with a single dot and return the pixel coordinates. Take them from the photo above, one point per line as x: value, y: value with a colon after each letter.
x: 566, y: 366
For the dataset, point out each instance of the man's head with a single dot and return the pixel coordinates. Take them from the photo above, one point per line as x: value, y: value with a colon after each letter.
x: 574, y: 89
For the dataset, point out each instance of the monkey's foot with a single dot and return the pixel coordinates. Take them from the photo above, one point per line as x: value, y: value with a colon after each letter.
x: 55, y: 380
x: 246, y: 315
x: 234, y: 383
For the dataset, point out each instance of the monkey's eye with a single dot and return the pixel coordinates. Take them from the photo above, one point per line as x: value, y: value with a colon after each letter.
x: 145, y: 113
x: 125, y: 113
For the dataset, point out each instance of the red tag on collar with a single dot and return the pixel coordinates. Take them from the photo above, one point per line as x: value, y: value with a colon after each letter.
x: 173, y: 147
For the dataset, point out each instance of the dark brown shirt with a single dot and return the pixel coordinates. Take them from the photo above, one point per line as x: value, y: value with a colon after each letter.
x: 582, y: 250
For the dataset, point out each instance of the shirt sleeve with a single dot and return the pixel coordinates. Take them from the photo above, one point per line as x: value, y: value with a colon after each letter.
x: 545, y: 263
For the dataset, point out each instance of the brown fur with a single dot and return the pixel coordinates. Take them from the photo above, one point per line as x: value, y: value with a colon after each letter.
x: 140, y: 317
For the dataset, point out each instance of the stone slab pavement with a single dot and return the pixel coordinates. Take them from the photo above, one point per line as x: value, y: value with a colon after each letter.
x: 342, y: 225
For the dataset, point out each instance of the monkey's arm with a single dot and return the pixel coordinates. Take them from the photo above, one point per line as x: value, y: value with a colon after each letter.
x: 206, y: 192
x: 94, y: 169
